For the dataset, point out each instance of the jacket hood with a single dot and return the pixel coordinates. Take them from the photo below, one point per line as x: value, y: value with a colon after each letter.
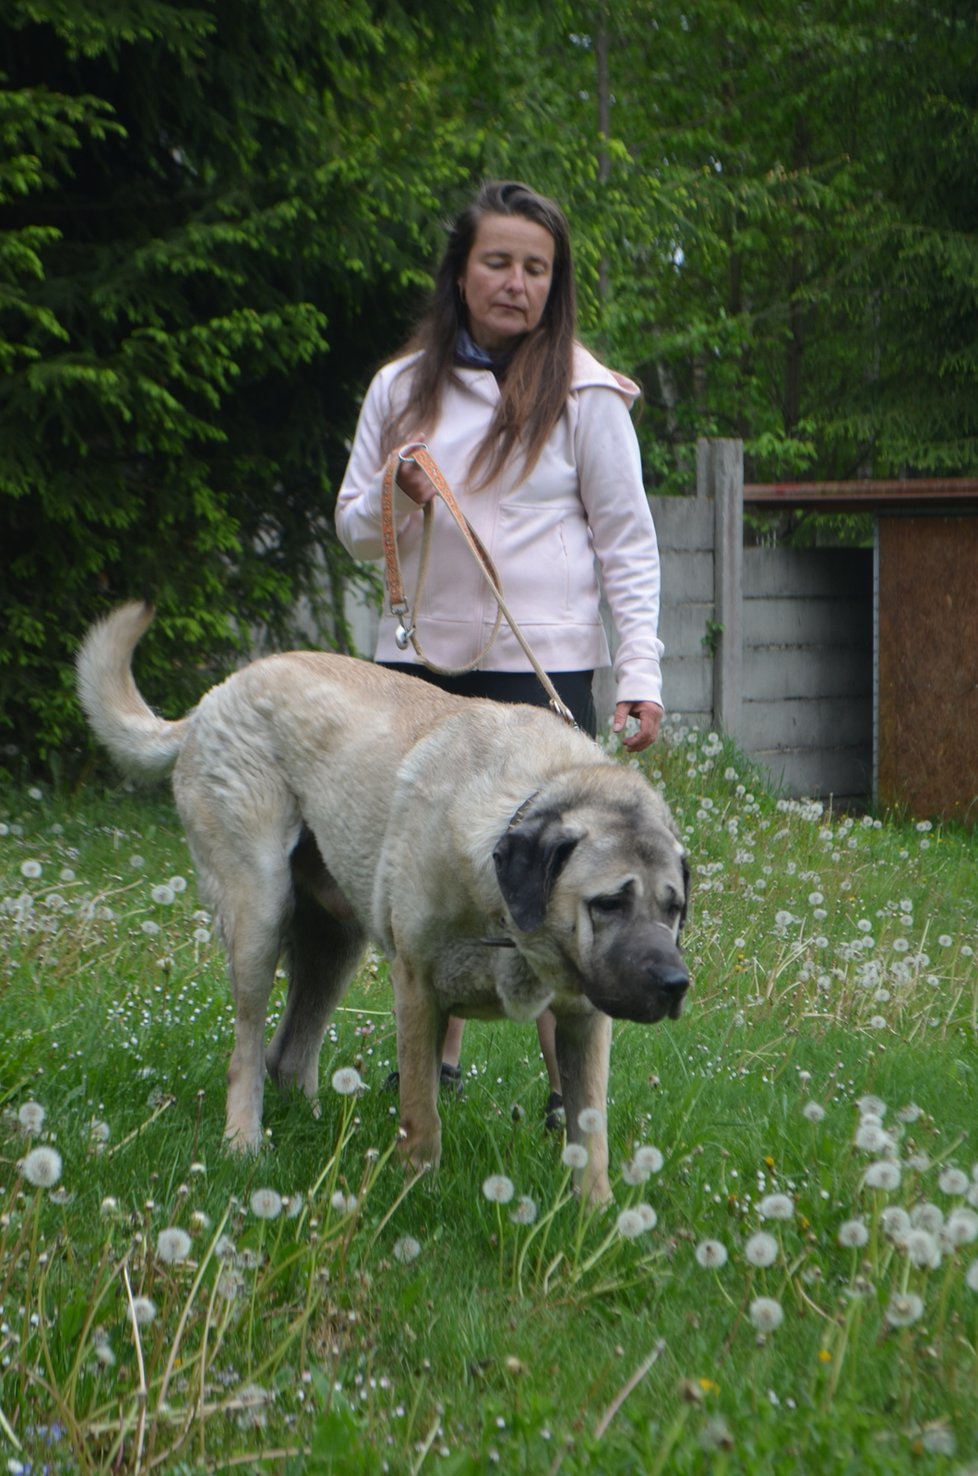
x: 588, y: 372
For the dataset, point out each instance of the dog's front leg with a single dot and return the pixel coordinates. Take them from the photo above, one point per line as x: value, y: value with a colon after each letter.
x: 420, y: 1033
x: 583, y: 1054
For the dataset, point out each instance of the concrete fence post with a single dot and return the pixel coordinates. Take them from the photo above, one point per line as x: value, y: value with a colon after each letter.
x: 720, y: 474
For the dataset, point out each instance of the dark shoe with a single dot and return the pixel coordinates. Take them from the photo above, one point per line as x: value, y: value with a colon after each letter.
x: 554, y: 1119
x: 450, y: 1079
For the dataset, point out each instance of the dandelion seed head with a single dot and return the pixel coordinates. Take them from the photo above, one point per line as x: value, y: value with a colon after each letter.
x: 591, y: 1120
x: 761, y: 1249
x: 922, y: 1249
x: 230, y: 1283
x: 853, y: 1234
x: 971, y: 1277
x: 776, y: 1207
x: 266, y: 1204
x: 814, y: 1111
x: 903, y: 1309
x: 525, y: 1211
x: 711, y: 1254
x: 173, y: 1245
x: 31, y: 1117
x: 927, y: 1216
x: 574, y: 1156
x: 895, y: 1221
x: 882, y: 1175
x: 142, y: 1311
x: 42, y: 1167
x: 766, y: 1314
x: 953, y: 1181
x: 346, y: 1081
x: 31, y: 869
x: 873, y: 1139
x: 648, y: 1160
x: 630, y: 1224
x: 870, y: 1104
x: 962, y: 1226
x: 163, y: 895
x: 715, y: 1434
x: 498, y: 1189
x: 406, y: 1249
x: 938, y: 1440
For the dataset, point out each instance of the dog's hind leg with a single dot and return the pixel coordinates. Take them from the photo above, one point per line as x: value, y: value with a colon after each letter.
x: 321, y: 953
x: 253, y: 933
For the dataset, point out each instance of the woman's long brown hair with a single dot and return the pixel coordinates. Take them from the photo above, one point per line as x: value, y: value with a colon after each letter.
x: 537, y: 381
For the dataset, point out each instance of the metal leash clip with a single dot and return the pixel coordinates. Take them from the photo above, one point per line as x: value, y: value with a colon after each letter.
x: 403, y: 633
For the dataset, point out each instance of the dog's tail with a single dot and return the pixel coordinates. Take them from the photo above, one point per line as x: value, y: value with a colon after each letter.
x: 142, y: 744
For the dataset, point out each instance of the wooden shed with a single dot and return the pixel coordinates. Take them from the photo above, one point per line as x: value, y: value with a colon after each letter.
x: 925, y: 634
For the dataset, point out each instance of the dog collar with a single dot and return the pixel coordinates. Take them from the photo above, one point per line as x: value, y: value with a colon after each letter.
x: 519, y: 814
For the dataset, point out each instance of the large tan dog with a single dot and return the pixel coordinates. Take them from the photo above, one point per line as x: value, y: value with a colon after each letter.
x: 499, y: 858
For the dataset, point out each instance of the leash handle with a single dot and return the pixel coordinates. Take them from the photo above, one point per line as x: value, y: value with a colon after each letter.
x: 399, y: 606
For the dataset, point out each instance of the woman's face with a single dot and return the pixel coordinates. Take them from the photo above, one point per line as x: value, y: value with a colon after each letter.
x: 507, y: 279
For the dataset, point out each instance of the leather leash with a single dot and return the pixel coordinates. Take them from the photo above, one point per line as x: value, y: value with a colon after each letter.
x: 399, y: 607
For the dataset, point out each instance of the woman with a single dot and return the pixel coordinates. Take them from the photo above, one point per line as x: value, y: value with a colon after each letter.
x: 535, y: 439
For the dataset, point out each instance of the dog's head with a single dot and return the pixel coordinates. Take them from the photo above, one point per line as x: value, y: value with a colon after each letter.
x: 596, y: 874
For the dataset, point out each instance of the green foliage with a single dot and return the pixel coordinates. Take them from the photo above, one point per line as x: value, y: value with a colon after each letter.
x: 216, y: 221
x: 206, y: 244
x: 775, y: 234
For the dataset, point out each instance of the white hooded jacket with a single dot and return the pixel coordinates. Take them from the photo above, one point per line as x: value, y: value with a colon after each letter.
x: 581, y: 510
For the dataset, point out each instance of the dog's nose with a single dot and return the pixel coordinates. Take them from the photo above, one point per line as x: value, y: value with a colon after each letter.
x: 672, y: 978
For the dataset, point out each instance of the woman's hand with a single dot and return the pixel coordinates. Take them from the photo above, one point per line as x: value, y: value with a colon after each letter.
x: 412, y: 481
x: 647, y: 714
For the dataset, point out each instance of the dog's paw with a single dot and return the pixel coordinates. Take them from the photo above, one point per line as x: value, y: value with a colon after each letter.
x: 596, y: 1190
x: 242, y: 1141
x: 419, y: 1155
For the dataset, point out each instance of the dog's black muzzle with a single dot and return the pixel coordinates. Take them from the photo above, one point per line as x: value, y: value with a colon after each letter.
x: 646, y: 986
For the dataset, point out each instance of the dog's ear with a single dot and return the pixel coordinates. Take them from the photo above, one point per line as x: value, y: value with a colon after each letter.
x: 528, y: 861
x: 687, y: 877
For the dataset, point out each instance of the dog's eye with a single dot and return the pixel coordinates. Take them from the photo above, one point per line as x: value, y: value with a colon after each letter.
x: 609, y: 905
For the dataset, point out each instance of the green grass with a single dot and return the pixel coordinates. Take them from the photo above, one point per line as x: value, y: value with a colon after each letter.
x: 833, y: 959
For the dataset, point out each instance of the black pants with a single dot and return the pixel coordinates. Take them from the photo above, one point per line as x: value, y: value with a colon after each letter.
x: 574, y: 688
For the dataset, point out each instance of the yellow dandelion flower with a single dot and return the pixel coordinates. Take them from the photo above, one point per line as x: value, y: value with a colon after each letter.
x: 708, y: 1386
x: 769, y: 1162
x: 824, y: 1356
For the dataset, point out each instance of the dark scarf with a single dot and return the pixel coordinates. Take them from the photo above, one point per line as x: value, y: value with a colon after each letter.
x: 468, y: 352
